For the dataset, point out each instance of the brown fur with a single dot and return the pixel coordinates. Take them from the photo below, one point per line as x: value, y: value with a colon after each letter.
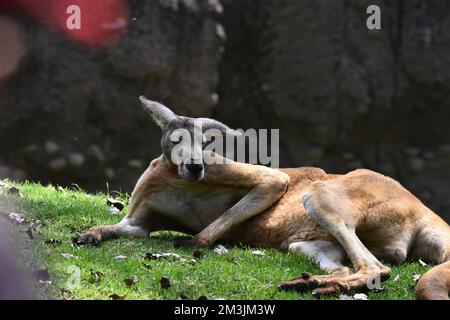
x: 361, y: 215
x: 388, y: 219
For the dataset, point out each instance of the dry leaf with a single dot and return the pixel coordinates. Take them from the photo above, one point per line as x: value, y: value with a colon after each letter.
x: 69, y: 256
x: 360, y: 296
x: 131, y: 280
x: 416, y: 276
x: 119, y: 205
x: 52, y: 241
x: 17, y: 217
x: 43, y: 276
x: 66, y: 294
x: 165, y: 282
x: 29, y: 232
x: 423, y: 264
x: 116, y: 297
x: 96, y: 275
x: 164, y: 256
x: 220, y: 249
x: 258, y: 253
x: 197, y: 254
x: 114, y: 211
x: 396, y: 278
x: 345, y: 297
x: 10, y: 189
x: 120, y: 257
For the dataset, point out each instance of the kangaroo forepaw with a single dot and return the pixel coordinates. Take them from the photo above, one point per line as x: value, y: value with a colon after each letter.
x: 91, y: 238
x: 194, y: 243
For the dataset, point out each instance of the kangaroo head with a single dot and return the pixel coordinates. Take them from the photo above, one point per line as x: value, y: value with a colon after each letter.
x: 184, y: 139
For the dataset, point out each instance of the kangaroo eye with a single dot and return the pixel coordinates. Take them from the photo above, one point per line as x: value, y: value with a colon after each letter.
x: 175, y: 139
x: 207, y: 141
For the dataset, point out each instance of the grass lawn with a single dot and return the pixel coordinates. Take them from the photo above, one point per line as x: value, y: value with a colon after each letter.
x: 119, y: 268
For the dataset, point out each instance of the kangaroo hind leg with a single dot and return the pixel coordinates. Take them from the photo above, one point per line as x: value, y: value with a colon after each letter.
x: 327, y: 254
x: 328, y: 204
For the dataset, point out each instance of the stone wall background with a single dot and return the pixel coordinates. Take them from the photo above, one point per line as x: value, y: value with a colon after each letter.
x: 342, y: 96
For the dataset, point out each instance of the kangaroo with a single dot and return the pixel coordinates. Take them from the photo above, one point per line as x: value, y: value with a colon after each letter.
x: 362, y: 216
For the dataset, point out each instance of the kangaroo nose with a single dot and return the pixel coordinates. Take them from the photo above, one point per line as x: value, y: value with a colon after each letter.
x: 194, y: 167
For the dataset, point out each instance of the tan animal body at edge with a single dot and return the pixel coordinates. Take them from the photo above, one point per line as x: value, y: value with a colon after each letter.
x: 362, y: 215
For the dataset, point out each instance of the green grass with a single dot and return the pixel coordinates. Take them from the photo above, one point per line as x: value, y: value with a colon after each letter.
x: 236, y: 275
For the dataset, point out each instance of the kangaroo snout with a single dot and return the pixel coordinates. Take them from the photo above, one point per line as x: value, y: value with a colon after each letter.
x: 194, y: 167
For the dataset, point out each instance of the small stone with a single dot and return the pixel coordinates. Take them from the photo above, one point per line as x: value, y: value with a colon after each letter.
x: 51, y: 147
x: 76, y: 159
x: 57, y: 164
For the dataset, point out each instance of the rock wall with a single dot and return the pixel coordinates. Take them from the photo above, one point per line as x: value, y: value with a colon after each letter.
x: 342, y: 96
x: 71, y: 114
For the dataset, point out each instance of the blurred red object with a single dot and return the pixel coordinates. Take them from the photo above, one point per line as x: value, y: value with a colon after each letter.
x: 102, y: 21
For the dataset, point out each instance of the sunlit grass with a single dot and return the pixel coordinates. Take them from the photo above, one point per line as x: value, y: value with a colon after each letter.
x: 236, y: 275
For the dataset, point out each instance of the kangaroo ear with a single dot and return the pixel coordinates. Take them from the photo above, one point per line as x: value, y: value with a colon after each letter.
x: 214, y: 124
x: 160, y: 114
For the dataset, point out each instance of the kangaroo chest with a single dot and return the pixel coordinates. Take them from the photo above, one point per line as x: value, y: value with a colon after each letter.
x: 195, y: 208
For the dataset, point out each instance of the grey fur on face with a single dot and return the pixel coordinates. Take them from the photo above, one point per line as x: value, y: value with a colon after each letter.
x: 183, y: 139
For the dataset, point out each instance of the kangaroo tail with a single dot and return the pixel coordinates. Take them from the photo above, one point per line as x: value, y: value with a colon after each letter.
x: 433, y: 244
x: 435, y: 284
